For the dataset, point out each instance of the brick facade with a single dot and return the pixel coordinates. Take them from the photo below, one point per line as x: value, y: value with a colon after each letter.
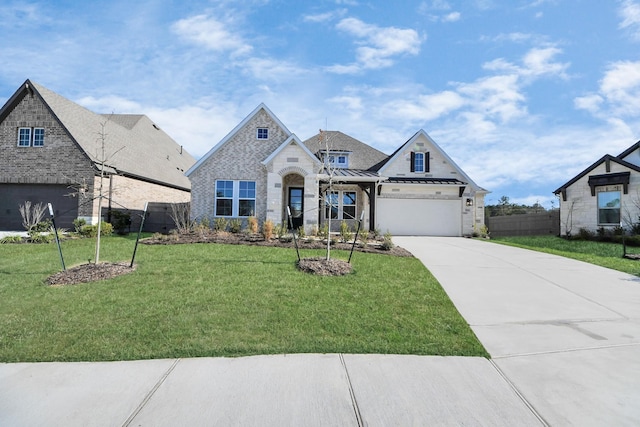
x: 61, y: 163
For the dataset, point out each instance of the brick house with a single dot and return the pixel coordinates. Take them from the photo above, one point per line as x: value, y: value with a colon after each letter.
x: 604, y: 195
x: 262, y: 169
x: 52, y: 152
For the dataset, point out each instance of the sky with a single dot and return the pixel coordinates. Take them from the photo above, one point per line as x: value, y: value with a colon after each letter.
x: 521, y: 94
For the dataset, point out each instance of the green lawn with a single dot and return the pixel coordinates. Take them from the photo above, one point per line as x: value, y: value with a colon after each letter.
x: 220, y: 300
x: 604, y: 254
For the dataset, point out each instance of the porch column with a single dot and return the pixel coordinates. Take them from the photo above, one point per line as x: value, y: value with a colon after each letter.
x: 311, y: 197
x: 274, y: 198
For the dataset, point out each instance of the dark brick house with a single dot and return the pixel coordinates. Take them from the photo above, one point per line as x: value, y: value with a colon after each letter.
x: 52, y: 152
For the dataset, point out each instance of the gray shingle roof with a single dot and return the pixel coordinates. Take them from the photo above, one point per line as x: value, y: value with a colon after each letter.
x: 134, y: 145
x: 361, y: 155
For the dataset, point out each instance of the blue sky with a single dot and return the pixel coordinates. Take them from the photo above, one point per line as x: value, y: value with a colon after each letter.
x: 522, y: 94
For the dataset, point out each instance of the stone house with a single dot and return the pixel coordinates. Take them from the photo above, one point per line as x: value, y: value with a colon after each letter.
x: 605, y: 195
x: 262, y: 169
x: 54, y: 151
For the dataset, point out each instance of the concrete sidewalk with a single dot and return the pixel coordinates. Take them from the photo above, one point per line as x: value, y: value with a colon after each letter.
x: 281, y: 390
x: 565, y: 333
x: 564, y: 336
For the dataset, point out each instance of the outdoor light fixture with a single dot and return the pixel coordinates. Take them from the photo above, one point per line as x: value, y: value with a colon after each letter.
x: 469, y: 202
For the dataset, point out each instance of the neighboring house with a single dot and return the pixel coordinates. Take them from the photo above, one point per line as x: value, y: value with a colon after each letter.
x: 261, y: 169
x: 604, y: 195
x: 52, y: 152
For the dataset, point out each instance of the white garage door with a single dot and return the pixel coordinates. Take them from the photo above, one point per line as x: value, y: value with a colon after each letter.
x: 419, y: 217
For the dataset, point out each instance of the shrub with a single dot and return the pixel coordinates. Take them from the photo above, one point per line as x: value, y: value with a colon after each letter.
x: 323, y: 232
x: 584, y: 234
x: 252, y: 224
x: 31, y: 214
x: 267, y: 229
x: 106, y: 229
x: 78, y: 223
x: 11, y: 239
x: 364, y: 236
x: 387, y: 243
x: 121, y: 221
x: 220, y: 224
x: 301, y: 232
x: 235, y: 225
x: 279, y: 230
x: 37, y: 237
x: 345, y: 232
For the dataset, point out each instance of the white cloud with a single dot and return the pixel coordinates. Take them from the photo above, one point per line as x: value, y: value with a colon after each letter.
x: 324, y: 17
x: 618, y: 95
x: 630, y: 13
x: 378, y: 46
x: 211, y: 33
x: 451, y: 17
x: 110, y: 104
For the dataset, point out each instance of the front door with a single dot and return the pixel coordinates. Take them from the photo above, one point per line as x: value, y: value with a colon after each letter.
x: 296, y: 204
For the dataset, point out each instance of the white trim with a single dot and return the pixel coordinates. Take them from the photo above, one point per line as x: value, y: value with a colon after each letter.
x: 235, y: 198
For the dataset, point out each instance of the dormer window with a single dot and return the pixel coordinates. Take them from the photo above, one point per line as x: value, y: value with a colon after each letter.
x: 337, y: 160
x: 263, y: 133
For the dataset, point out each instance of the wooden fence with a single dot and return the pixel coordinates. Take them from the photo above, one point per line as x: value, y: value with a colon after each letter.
x: 545, y: 223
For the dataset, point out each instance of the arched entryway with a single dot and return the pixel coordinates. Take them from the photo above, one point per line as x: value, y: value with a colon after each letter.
x: 293, y: 186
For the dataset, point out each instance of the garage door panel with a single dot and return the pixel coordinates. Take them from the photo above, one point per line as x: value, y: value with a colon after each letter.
x: 14, y: 195
x: 419, y: 217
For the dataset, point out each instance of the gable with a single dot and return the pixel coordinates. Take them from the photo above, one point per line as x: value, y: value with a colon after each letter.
x: 243, y: 141
x: 631, y: 154
x: 60, y: 160
x: 607, y: 170
x: 438, y: 165
x: 361, y: 156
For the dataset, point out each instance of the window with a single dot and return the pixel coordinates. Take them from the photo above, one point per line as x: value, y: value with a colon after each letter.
x: 24, y: 137
x: 418, y: 162
x: 28, y: 137
x: 337, y: 160
x: 224, y: 198
x: 331, y: 205
x: 247, y: 200
x: 38, y: 137
x: 609, y: 208
x: 348, y: 205
x: 263, y: 133
x: 235, y: 198
x: 340, y: 205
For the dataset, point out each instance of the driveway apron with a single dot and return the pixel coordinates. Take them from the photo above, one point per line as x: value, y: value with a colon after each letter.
x: 565, y: 333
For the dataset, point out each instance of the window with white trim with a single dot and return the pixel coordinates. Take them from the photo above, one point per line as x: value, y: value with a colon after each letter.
x: 335, y: 160
x: 247, y: 198
x: 262, y: 133
x: 28, y: 137
x: 609, y: 208
x: 235, y: 198
x: 340, y: 205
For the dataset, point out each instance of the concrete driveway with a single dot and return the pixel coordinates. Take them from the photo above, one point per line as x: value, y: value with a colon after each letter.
x: 565, y: 333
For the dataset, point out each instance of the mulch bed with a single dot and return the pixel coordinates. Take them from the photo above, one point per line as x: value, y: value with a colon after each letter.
x: 325, y: 267
x: 258, y: 240
x: 86, y: 273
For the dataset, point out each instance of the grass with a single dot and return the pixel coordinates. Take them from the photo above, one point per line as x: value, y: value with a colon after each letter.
x: 220, y: 300
x: 599, y: 253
